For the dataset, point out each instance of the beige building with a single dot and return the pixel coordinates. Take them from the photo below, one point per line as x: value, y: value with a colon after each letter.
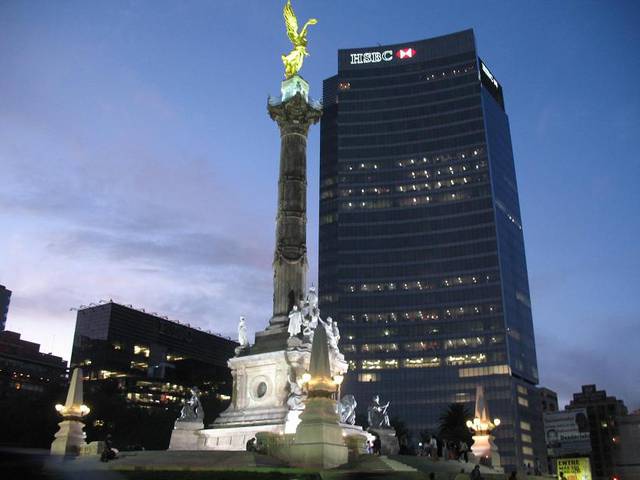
x: 627, y: 455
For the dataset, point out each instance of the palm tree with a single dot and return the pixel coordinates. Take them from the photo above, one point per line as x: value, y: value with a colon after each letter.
x: 453, y: 423
x: 403, y: 434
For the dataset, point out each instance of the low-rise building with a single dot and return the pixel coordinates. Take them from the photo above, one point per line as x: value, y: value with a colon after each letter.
x: 603, y: 413
x: 143, y: 365
x: 627, y: 454
x: 31, y: 383
x: 548, y: 399
x: 24, y: 368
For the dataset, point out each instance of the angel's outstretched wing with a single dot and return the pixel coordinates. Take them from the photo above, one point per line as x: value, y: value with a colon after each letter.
x: 291, y: 22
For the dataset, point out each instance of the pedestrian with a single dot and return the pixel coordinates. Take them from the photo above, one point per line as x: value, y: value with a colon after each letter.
x: 109, y: 453
x: 464, y: 451
x: 377, y: 446
x: 445, y: 450
x: 513, y: 475
x: 433, y: 444
x: 475, y: 473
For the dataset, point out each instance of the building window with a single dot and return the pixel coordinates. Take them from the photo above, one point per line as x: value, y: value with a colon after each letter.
x: 523, y: 401
x: 421, y: 362
x: 527, y: 451
x: 484, y: 371
x: 140, y: 365
x: 419, y: 346
x: 379, y: 347
x: 454, y: 360
x: 525, y: 426
x: 140, y: 350
x: 379, y: 364
x: 522, y: 390
x: 526, y: 438
x: 368, y: 377
x: 173, y: 358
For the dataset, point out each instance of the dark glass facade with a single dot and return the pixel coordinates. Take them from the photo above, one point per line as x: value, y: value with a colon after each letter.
x: 422, y: 258
x: 5, y: 299
x: 116, y: 341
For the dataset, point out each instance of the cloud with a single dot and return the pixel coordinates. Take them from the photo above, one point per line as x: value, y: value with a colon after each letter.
x: 127, y: 207
x: 571, y: 360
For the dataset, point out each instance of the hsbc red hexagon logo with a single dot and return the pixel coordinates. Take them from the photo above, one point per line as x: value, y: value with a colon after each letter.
x: 405, y: 53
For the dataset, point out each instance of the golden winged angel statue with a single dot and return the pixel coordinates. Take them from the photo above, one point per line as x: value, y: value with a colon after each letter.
x: 293, y: 61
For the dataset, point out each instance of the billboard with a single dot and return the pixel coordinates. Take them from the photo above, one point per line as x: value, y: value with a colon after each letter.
x: 574, y: 469
x: 567, y: 433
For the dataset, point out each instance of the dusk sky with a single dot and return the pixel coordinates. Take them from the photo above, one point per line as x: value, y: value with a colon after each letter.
x: 138, y: 162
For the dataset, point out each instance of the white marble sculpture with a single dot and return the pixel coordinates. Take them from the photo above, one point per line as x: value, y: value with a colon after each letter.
x: 295, y: 322
x: 331, y: 334
x: 336, y: 332
x: 295, y: 400
x: 347, y: 409
x: 377, y: 414
x: 243, y: 339
x: 192, y: 409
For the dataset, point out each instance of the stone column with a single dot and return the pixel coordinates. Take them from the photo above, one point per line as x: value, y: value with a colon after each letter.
x: 294, y: 115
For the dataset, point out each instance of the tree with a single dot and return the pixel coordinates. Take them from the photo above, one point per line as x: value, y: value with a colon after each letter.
x: 403, y: 435
x: 453, y: 423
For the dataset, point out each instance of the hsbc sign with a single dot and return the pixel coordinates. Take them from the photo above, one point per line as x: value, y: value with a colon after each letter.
x: 383, y: 56
x: 405, y: 53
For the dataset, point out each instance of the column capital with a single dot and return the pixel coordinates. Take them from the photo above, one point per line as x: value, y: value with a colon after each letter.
x: 295, y: 115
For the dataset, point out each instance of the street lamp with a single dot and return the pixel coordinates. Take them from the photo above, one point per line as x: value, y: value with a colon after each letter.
x: 338, y: 381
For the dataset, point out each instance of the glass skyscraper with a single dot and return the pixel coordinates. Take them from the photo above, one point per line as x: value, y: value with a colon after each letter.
x: 422, y: 258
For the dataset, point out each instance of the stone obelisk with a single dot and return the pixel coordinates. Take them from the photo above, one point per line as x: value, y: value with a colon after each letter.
x: 319, y: 440
x: 70, y: 438
x: 294, y: 114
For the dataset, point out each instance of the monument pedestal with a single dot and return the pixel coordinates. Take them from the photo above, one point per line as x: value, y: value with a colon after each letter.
x: 185, y: 436
x: 69, y: 439
x: 485, y: 451
x: 389, y: 444
x: 319, y: 440
x: 356, y: 439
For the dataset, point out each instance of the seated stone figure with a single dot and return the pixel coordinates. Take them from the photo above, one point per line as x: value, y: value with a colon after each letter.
x: 295, y: 400
x: 347, y: 409
x: 377, y: 414
x: 192, y: 409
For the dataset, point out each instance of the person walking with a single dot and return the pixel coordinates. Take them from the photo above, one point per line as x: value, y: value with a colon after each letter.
x: 475, y: 473
x: 464, y: 451
x: 377, y: 446
x: 433, y: 444
x: 513, y: 476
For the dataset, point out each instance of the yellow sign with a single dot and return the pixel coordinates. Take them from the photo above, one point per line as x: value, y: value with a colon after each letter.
x: 574, y: 469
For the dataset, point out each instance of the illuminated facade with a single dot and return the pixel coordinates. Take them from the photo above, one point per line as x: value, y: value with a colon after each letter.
x: 422, y: 258
x: 152, y: 360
